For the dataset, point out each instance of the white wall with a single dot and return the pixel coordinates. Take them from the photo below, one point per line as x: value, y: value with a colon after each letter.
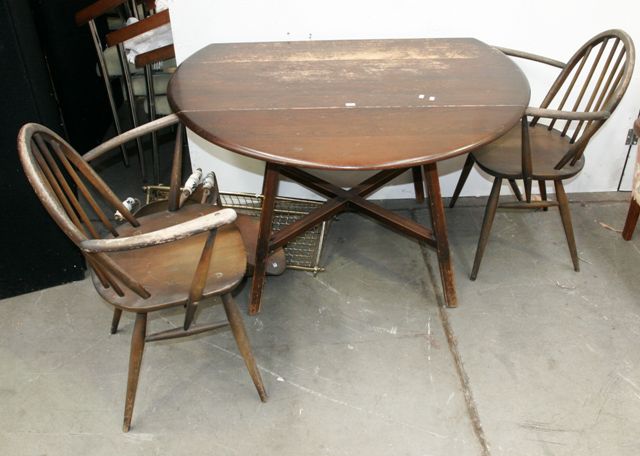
x: 551, y: 28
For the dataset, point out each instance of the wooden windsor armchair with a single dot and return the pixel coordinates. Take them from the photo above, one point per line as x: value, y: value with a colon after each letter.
x: 165, y: 258
x: 583, y: 96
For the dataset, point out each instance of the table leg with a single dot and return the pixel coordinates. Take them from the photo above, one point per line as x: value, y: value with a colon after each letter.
x: 269, y: 190
x: 418, y: 186
x: 439, y: 226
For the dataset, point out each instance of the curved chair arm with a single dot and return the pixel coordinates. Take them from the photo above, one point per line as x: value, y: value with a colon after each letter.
x: 183, y: 230
x: 569, y: 115
x: 127, y: 136
x: 529, y: 56
x: 575, y: 151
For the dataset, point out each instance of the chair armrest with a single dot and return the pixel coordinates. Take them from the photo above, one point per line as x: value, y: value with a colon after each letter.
x: 95, y: 10
x: 130, y: 135
x: 138, y: 28
x: 568, y: 115
x: 172, y: 233
x: 528, y: 56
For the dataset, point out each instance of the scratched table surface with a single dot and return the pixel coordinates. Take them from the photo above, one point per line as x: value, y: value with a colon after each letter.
x: 370, y: 104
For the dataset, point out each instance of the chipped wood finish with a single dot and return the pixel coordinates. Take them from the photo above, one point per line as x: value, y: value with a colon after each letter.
x: 567, y: 115
x: 387, y: 105
x: 169, y: 234
x: 373, y: 104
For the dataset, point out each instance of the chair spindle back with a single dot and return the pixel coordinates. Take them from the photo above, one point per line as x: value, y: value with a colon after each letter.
x: 54, y: 168
x: 594, y: 80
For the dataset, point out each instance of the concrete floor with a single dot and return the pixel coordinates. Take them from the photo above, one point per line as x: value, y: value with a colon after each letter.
x: 362, y: 359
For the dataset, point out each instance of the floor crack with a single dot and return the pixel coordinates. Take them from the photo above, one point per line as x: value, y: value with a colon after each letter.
x: 452, y: 341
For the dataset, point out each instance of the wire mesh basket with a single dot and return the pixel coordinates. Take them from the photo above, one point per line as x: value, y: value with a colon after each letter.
x: 303, y: 252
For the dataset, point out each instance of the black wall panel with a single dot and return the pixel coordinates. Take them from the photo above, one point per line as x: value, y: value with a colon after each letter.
x: 47, y: 76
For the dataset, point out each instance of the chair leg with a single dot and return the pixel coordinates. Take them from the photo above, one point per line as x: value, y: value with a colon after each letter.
x: 632, y: 220
x: 543, y: 192
x: 117, y: 313
x: 418, y: 185
x: 466, y: 169
x: 516, y: 189
x: 135, y: 360
x: 565, y: 214
x: 240, y: 335
x: 489, y: 215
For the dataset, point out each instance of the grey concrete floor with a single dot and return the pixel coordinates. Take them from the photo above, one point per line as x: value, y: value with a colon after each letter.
x: 363, y: 358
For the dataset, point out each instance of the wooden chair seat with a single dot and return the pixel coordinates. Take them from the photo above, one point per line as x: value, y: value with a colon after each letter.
x: 167, y: 270
x: 248, y: 226
x: 503, y: 157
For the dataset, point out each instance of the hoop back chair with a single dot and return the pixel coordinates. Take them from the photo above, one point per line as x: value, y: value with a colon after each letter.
x: 169, y: 258
x: 583, y: 96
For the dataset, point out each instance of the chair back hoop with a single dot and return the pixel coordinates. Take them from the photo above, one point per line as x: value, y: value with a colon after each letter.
x: 54, y: 170
x: 595, y: 79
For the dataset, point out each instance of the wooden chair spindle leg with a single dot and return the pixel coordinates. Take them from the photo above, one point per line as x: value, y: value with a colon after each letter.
x: 632, y: 220
x: 516, y: 189
x: 565, y: 215
x: 115, y: 321
x: 489, y: 215
x: 135, y: 360
x: 466, y: 169
x: 240, y: 335
x: 543, y: 192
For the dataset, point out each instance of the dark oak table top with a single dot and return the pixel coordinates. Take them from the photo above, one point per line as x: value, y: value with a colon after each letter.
x: 361, y: 104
